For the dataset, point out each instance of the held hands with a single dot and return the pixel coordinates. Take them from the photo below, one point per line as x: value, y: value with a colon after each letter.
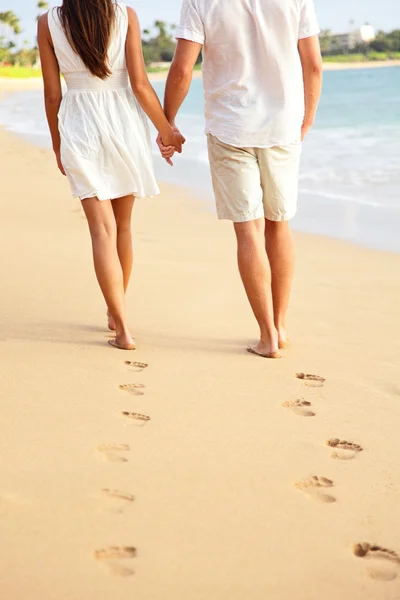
x: 170, y: 143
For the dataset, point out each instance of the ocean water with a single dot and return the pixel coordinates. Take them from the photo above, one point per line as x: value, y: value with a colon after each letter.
x: 350, y: 175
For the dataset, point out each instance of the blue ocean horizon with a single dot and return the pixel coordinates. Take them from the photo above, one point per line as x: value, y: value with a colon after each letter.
x: 350, y: 174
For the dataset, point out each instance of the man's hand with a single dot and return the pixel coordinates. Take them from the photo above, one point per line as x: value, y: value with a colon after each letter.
x: 305, y: 128
x: 168, y: 147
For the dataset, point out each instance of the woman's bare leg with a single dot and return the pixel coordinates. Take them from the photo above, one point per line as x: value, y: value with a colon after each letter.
x: 122, y: 208
x: 103, y: 231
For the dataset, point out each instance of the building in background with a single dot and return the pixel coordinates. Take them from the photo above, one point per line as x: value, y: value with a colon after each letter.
x: 346, y: 42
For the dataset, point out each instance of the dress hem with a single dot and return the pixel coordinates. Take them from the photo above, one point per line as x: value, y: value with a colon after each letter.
x: 94, y: 195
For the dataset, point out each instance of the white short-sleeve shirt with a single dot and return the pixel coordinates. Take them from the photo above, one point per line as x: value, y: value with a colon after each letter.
x: 252, y: 72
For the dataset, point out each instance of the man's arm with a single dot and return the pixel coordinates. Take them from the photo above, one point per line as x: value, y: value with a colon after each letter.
x: 177, y: 86
x: 180, y: 77
x: 311, y: 62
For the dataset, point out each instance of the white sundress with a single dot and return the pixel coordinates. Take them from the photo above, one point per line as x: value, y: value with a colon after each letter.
x: 105, y: 141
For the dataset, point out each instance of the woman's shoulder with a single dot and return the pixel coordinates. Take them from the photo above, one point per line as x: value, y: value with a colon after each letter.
x: 53, y: 16
x: 122, y: 7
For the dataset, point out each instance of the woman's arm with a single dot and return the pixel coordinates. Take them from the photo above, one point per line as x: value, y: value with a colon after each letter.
x: 142, y: 88
x: 52, y: 84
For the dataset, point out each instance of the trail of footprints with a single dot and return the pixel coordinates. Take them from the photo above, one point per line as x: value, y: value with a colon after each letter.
x: 383, y: 563
x: 117, y: 559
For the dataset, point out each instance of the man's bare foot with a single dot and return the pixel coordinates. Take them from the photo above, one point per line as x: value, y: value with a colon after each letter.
x: 111, y: 322
x: 264, y: 349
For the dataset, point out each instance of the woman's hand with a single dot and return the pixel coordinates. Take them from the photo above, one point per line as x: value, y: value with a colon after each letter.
x: 173, y: 138
x: 59, y: 163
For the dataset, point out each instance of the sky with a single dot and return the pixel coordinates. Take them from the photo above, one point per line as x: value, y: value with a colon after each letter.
x: 333, y: 14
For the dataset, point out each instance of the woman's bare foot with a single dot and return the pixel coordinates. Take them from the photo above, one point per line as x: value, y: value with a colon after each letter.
x: 283, y: 339
x: 265, y: 350
x: 124, y: 341
x: 111, y: 322
x: 115, y: 344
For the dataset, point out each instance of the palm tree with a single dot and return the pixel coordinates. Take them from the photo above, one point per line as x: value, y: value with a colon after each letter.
x: 9, y: 29
x: 162, y: 29
x: 9, y: 20
x: 42, y: 7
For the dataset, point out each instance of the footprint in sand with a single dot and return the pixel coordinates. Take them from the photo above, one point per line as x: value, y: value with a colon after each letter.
x: 114, y: 452
x: 140, y: 419
x: 312, y: 488
x: 372, y: 552
x: 138, y: 366
x: 311, y: 380
x: 343, y: 450
x: 299, y: 407
x: 133, y: 388
x: 110, y: 556
x: 117, y: 500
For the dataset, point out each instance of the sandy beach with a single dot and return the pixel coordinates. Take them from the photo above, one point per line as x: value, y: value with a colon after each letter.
x: 373, y: 64
x: 227, y: 487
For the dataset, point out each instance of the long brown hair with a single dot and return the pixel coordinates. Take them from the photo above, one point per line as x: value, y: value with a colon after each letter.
x: 88, y: 25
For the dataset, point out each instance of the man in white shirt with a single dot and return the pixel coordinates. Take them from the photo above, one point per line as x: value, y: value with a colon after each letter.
x: 262, y: 74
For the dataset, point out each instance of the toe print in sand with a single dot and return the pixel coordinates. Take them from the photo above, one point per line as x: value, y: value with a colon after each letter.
x: 300, y: 407
x: 382, y: 563
x: 112, y: 556
x: 114, y: 452
x: 137, y: 418
x: 311, y: 380
x: 342, y: 449
x: 134, y: 388
x: 136, y: 366
x: 116, y: 501
x: 314, y: 487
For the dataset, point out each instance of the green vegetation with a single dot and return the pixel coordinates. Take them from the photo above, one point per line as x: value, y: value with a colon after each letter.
x: 358, y: 57
x: 161, y: 46
x: 20, y: 72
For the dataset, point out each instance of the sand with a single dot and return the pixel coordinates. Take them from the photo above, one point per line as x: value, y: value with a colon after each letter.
x: 368, y: 64
x: 213, y: 497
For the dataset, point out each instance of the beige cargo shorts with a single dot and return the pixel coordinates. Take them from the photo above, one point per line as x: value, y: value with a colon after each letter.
x: 251, y: 183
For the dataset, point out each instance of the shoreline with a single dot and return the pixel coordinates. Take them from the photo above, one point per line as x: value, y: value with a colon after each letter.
x: 332, y: 218
x: 17, y: 84
x: 220, y: 477
x: 332, y: 66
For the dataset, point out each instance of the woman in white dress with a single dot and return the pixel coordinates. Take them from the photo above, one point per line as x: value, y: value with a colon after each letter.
x: 99, y: 130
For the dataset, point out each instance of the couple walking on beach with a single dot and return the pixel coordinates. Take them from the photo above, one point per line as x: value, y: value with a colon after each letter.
x: 262, y: 76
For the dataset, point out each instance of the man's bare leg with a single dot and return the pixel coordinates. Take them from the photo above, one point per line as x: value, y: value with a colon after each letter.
x: 256, y: 276
x: 280, y: 250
